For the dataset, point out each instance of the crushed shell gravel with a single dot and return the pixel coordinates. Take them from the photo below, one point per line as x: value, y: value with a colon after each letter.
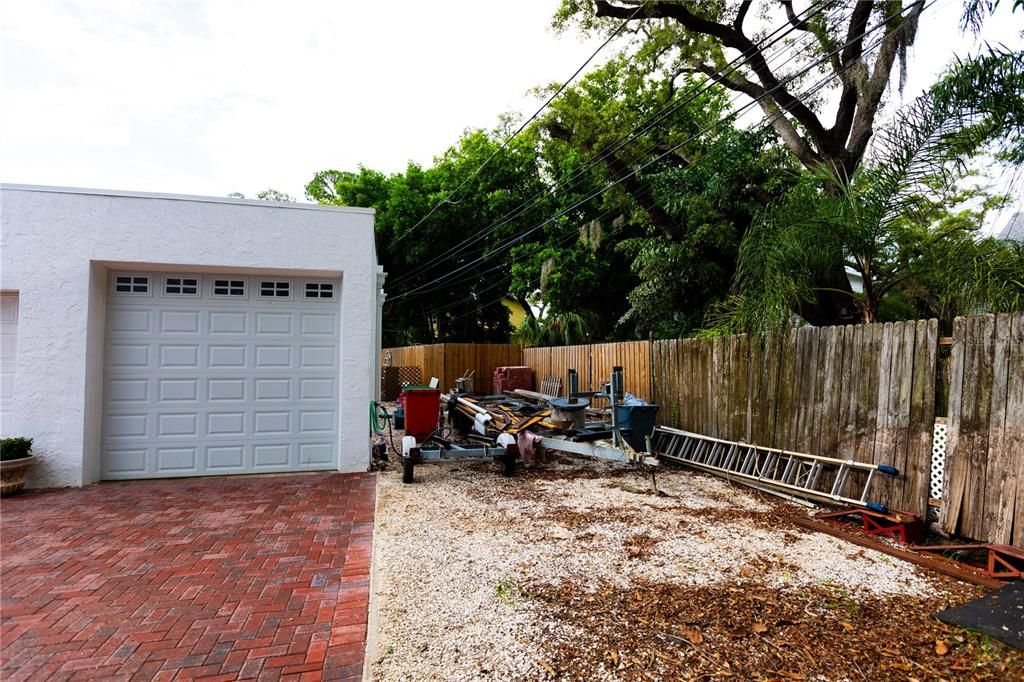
x: 456, y: 550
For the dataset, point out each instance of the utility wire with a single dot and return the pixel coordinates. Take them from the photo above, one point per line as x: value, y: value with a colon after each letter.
x: 506, y: 143
x: 429, y: 286
x: 643, y: 126
x: 671, y: 150
x: 565, y: 240
x: 765, y: 122
x: 639, y: 129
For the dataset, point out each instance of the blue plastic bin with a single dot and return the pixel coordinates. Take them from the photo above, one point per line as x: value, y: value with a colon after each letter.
x: 639, y: 418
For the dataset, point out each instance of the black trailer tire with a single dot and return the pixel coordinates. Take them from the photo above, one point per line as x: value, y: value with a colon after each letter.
x: 508, y: 466
x: 407, y: 467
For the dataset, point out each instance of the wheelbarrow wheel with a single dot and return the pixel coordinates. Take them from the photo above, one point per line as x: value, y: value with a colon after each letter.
x: 407, y: 467
x: 508, y: 466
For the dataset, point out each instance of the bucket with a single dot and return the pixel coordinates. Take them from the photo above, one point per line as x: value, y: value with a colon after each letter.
x: 422, y: 406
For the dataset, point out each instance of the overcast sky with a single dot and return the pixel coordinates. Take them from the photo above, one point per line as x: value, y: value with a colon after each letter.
x: 222, y: 96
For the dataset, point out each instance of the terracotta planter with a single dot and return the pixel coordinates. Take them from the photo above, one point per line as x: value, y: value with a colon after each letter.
x: 12, y: 474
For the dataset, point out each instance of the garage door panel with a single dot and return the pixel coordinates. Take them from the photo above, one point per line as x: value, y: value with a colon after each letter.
x: 179, y: 460
x: 272, y: 423
x: 177, y: 426
x: 185, y: 322
x: 317, y: 389
x: 125, y: 462
x: 179, y: 355
x: 227, y: 389
x: 268, y: 389
x: 225, y: 323
x: 205, y: 385
x: 272, y: 455
x: 220, y: 424
x: 317, y: 421
x: 273, y: 357
x: 319, y: 324
x: 224, y: 459
x: 129, y: 356
x: 221, y: 356
x: 120, y: 426
x: 128, y: 392
x: 311, y: 454
x: 131, y: 322
x: 318, y: 357
x: 175, y: 390
x: 274, y: 324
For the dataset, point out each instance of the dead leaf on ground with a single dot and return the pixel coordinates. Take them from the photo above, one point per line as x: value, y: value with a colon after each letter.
x: 548, y: 669
x: 759, y: 628
x: 694, y: 635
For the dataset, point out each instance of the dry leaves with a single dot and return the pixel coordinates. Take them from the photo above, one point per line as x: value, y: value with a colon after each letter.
x: 754, y: 632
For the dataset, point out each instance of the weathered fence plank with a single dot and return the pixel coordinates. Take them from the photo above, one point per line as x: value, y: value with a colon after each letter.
x: 954, y: 473
x: 1013, y: 491
x: 999, y: 460
x: 922, y: 415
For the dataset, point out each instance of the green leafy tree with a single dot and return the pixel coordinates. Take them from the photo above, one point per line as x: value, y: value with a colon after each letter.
x: 272, y: 194
x: 424, y: 213
x: 667, y: 233
x: 892, y: 222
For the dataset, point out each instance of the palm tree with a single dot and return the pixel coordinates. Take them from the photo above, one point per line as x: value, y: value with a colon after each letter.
x: 879, y: 222
x: 554, y: 329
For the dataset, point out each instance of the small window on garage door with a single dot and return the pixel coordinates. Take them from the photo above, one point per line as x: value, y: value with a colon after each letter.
x: 318, y: 291
x: 229, y: 287
x: 181, y: 285
x: 132, y: 284
x: 275, y: 288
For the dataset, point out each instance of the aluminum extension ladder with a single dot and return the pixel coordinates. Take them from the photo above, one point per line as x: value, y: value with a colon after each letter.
x: 824, y: 479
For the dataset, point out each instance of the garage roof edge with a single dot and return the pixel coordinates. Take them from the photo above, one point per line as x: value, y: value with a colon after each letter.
x: 256, y: 203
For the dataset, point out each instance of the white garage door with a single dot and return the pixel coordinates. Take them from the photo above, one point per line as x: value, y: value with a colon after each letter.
x: 219, y: 374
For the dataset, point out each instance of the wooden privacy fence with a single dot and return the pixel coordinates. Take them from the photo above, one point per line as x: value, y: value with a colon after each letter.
x: 984, y: 483
x: 593, y: 364
x: 865, y: 392
x: 449, y: 361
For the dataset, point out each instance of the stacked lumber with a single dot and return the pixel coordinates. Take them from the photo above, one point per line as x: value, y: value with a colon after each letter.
x: 482, y: 419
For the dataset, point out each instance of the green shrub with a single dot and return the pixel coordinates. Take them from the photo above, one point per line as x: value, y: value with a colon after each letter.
x: 15, y: 448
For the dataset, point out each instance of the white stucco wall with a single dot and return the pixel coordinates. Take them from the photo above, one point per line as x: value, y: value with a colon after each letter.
x: 57, y: 245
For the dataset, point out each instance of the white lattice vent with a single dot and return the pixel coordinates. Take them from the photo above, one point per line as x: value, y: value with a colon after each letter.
x: 938, y: 459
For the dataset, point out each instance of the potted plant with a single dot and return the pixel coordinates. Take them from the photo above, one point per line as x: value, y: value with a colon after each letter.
x: 15, y: 459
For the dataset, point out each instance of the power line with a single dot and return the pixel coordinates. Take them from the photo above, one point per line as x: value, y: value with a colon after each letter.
x: 521, y: 128
x: 429, y: 286
x: 643, y: 126
x: 733, y: 115
x: 766, y: 121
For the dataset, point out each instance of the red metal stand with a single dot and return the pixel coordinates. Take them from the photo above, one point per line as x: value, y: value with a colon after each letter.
x: 902, y: 526
x: 995, y: 561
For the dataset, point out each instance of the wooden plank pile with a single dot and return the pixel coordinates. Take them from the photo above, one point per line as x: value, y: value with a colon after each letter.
x: 482, y: 419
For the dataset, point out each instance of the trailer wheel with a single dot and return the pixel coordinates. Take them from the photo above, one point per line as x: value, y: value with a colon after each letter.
x: 508, y: 466
x: 407, y: 467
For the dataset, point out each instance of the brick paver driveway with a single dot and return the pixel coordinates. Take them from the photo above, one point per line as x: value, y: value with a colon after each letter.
x: 226, y: 578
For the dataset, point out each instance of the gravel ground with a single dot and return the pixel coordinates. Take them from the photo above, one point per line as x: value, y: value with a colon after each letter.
x: 483, y: 577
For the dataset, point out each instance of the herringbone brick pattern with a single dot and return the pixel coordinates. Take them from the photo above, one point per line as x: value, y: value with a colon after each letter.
x: 211, y: 579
